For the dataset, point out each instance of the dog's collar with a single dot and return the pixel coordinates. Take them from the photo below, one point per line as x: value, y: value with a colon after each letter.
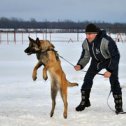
x: 47, y: 50
x: 56, y: 53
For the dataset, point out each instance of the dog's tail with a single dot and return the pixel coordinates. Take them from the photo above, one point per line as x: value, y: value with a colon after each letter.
x: 71, y: 84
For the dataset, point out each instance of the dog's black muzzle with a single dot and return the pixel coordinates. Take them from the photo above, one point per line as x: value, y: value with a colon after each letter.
x: 28, y: 51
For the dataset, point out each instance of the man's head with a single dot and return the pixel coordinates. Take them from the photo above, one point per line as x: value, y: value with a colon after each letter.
x: 91, y: 32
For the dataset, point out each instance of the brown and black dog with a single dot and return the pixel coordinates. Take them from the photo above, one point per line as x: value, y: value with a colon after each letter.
x: 48, y: 57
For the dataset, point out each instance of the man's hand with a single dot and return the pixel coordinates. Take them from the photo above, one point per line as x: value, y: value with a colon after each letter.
x: 77, y: 67
x: 107, y: 74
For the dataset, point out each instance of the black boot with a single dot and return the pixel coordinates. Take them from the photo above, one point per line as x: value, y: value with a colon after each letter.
x: 118, y: 103
x: 85, y: 102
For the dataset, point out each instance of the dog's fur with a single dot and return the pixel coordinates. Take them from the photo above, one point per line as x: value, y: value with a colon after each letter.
x: 48, y: 57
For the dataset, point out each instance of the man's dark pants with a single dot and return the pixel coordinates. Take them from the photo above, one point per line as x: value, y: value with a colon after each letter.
x: 93, y: 70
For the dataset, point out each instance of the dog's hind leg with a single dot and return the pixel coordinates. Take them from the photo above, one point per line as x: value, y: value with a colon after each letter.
x: 54, y: 90
x: 63, y: 92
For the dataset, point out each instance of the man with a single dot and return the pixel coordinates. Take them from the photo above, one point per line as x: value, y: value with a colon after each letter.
x: 104, y: 54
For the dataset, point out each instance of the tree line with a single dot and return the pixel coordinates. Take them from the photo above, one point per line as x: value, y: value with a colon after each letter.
x: 14, y: 23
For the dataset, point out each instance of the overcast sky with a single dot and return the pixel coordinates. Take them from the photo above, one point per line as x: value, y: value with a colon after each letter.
x: 75, y: 10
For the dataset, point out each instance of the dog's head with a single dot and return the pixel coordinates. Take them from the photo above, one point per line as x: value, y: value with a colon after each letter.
x: 36, y: 46
x: 33, y: 46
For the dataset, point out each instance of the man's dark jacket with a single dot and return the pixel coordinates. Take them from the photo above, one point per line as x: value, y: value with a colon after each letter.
x: 101, y: 49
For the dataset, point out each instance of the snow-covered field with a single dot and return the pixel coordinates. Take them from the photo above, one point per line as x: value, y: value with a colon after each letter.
x: 24, y: 102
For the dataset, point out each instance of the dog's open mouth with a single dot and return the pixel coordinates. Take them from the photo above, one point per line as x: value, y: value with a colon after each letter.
x: 29, y: 53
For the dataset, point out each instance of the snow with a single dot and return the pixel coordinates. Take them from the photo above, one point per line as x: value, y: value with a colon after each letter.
x: 24, y: 102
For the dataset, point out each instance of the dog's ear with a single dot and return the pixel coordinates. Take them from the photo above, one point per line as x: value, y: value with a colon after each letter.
x: 37, y: 41
x: 51, y: 46
x: 30, y: 39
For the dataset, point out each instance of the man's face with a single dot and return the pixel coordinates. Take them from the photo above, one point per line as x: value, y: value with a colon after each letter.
x: 90, y: 36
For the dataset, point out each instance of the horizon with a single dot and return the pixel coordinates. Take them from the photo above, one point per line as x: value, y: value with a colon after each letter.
x: 58, y: 20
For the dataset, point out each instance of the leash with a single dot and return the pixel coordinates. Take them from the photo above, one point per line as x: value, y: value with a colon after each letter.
x: 73, y: 65
x: 108, y: 102
x: 110, y: 106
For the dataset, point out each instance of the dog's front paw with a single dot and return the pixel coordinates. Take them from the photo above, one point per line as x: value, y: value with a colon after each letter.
x: 34, y: 78
x: 45, y: 77
x: 34, y: 75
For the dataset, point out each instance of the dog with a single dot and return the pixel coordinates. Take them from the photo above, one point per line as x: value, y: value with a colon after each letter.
x: 49, y: 58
